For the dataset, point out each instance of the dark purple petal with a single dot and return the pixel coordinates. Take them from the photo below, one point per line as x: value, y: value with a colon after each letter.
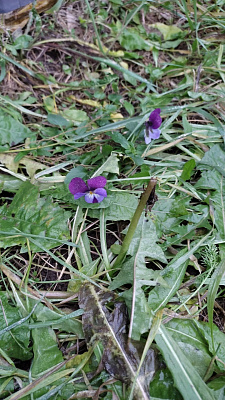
x: 97, y: 182
x: 155, y: 118
x: 77, y: 185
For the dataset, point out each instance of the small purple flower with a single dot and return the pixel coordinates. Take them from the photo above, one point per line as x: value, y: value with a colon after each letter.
x: 152, y: 125
x: 93, y: 192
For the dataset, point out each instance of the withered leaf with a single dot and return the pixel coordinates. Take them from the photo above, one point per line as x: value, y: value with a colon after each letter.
x: 121, y: 356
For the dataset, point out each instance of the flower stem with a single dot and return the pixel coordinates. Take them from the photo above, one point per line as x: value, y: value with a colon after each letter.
x: 134, y: 222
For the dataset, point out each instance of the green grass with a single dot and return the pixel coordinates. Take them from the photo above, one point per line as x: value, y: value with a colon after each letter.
x: 88, y: 307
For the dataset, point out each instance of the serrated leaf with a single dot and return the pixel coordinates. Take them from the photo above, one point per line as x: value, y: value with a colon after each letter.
x: 15, y: 342
x: 30, y: 214
x: 110, y: 165
x: 214, y: 158
x: 143, y: 243
x: 12, y: 131
x: 131, y: 40
x: 120, y: 357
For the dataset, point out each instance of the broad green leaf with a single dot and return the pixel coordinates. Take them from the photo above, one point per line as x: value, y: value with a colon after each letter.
x: 58, y: 120
x: 77, y: 172
x: 76, y: 116
x: 168, y: 31
x: 142, y: 312
x: 191, y: 341
x: 143, y: 243
x: 218, y: 341
x: 209, y: 180
x: 12, y: 131
x: 15, y: 342
x: 45, y: 348
x: 188, y: 169
x: 144, y: 276
x: 30, y: 214
x: 120, y: 206
x: 54, y: 320
x: 131, y: 40
x: 186, y: 378
x: 214, y: 158
x: 110, y: 165
x: 162, y: 386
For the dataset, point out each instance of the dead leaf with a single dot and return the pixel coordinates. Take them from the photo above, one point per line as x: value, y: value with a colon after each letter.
x: 121, y: 356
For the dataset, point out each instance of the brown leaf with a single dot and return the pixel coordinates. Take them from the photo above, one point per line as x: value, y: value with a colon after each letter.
x: 121, y: 356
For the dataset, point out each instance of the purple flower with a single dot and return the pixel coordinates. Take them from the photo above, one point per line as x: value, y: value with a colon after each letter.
x: 93, y: 192
x: 152, y: 125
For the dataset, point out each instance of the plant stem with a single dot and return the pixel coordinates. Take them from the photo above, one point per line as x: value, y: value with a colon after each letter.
x: 134, y: 222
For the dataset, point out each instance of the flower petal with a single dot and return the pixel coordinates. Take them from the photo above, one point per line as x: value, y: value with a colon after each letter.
x: 100, y: 194
x: 147, y: 139
x: 78, y: 195
x: 89, y: 197
x: 77, y: 185
x: 155, y: 118
x: 97, y: 182
x: 155, y: 133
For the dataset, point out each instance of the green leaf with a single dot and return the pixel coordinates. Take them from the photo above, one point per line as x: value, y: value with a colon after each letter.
x: 186, y: 378
x: 218, y: 341
x: 118, y: 138
x: 218, y: 212
x: 168, y: 31
x: 143, y: 243
x: 144, y: 275
x: 120, y: 206
x: 173, y: 275
x: 212, y: 292
x: 12, y: 131
x: 57, y: 320
x: 110, y: 165
x: 162, y: 386
x: 22, y: 42
x: 191, y: 341
x: 76, y: 116
x: 45, y: 348
x: 209, y: 180
x: 214, y: 158
x: 30, y: 214
x: 188, y: 169
x: 16, y: 341
x: 131, y: 40
x: 58, y: 120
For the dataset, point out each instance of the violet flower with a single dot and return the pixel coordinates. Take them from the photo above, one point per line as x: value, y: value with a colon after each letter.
x: 152, y: 125
x: 93, y: 192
